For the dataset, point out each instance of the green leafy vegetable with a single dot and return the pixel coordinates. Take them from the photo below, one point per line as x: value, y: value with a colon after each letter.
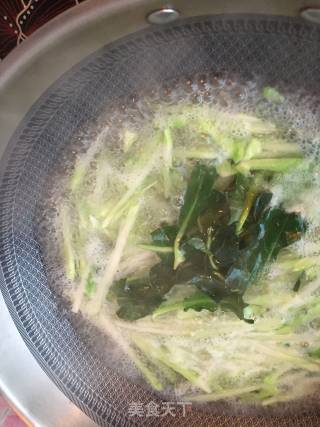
x: 236, y: 198
x: 275, y: 230
x: 219, y: 258
x: 196, y: 200
x: 164, y: 237
x: 261, y: 203
x: 198, y: 301
x: 225, y: 246
x: 136, y: 297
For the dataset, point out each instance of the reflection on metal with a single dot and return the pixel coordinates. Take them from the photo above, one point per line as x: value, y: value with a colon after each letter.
x: 163, y: 16
x: 27, y: 387
x: 311, y: 14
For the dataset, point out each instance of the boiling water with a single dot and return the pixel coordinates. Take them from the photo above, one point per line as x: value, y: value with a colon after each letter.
x: 298, y: 116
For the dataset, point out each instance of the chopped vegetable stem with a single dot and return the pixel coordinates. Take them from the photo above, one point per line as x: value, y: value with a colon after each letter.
x: 115, y: 257
x: 160, y: 249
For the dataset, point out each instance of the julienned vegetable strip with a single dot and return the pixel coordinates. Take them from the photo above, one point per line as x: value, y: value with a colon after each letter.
x: 280, y: 149
x: 167, y: 160
x: 273, y: 165
x: 159, y: 249
x: 294, y: 359
x: 126, y: 347
x: 83, y: 164
x: 131, y: 190
x: 162, y: 356
x: 79, y: 294
x: 148, y: 373
x: 68, y: 246
x: 168, y: 373
x: 116, y: 214
x: 129, y: 138
x: 114, y: 261
x: 225, y: 394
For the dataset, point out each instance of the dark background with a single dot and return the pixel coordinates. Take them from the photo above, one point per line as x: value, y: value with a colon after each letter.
x: 20, y: 18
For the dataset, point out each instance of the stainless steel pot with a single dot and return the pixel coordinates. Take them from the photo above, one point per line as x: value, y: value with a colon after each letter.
x: 24, y: 76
